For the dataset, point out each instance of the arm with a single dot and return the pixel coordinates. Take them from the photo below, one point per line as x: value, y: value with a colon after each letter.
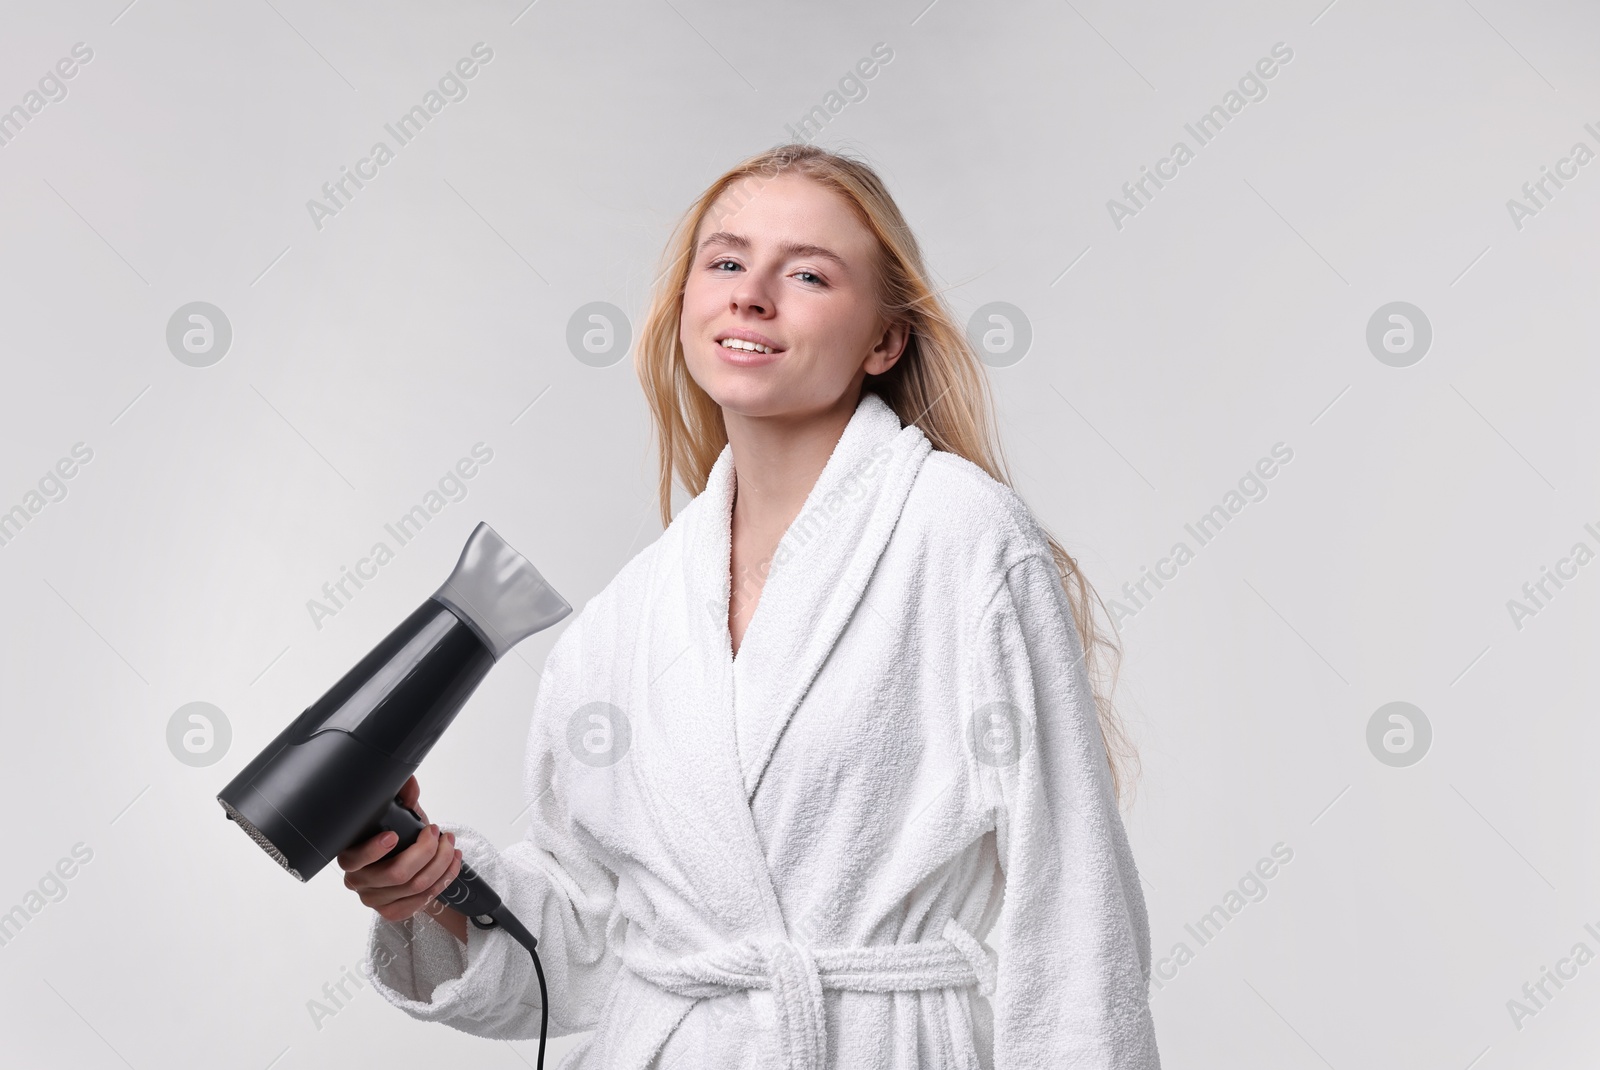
x: 1074, y: 937
x: 487, y: 986
x: 455, y: 923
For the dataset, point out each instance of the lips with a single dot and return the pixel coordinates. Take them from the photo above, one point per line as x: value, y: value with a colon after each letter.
x: 745, y: 335
x: 746, y: 358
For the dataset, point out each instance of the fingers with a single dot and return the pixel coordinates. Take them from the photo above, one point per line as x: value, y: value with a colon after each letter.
x: 408, y: 873
x: 429, y: 874
x: 401, y: 909
x: 410, y: 791
x: 405, y: 905
x: 398, y: 869
x: 367, y: 852
x: 451, y: 871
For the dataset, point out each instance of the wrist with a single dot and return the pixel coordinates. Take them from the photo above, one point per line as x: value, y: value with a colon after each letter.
x: 452, y: 919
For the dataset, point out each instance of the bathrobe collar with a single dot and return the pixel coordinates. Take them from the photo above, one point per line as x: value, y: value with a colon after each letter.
x: 814, y: 582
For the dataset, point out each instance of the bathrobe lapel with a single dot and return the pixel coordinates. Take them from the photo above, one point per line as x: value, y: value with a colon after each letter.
x: 814, y: 582
x: 714, y: 721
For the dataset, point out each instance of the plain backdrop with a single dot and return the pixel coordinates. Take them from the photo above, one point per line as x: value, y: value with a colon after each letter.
x: 1169, y: 350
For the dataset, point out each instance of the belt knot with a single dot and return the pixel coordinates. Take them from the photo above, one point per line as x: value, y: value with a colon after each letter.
x: 797, y: 974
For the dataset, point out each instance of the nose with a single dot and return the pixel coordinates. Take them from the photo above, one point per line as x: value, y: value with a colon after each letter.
x: 750, y: 296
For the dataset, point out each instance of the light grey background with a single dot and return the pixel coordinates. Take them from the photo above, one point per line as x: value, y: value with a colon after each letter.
x: 1167, y: 356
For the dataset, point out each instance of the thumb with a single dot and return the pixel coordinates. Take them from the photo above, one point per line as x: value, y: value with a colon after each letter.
x: 410, y: 793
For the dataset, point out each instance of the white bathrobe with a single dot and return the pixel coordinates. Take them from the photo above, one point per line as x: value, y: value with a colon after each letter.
x: 801, y: 857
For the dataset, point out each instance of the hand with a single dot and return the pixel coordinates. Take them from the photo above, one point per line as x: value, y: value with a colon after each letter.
x: 401, y: 886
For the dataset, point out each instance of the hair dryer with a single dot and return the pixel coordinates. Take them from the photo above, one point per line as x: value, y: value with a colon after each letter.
x: 329, y: 780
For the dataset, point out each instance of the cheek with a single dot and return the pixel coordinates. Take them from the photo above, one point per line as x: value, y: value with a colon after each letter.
x: 699, y: 303
x: 834, y: 334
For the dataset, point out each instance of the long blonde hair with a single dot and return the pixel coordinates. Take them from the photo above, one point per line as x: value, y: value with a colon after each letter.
x: 938, y: 383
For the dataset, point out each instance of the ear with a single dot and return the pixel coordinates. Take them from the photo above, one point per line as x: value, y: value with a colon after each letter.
x: 890, y: 345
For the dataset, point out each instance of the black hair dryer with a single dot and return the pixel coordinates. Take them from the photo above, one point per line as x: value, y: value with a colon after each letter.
x: 329, y: 780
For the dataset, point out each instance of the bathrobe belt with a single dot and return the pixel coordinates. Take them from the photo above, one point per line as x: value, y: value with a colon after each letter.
x: 796, y: 975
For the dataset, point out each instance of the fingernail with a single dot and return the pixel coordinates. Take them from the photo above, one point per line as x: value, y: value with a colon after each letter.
x: 452, y: 836
x: 389, y: 839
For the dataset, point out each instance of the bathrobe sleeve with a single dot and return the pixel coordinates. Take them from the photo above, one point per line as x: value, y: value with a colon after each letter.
x: 488, y: 987
x: 1072, y: 933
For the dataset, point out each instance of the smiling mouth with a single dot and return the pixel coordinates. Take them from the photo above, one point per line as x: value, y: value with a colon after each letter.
x: 741, y: 345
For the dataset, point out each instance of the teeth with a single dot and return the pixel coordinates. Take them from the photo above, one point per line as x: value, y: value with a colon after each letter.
x: 739, y: 343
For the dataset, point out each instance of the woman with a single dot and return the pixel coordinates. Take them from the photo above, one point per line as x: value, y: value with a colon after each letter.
x: 827, y: 733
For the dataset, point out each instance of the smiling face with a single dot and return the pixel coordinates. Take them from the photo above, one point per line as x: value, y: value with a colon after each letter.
x: 792, y: 270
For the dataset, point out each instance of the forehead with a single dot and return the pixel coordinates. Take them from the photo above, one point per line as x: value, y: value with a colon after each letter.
x: 785, y: 211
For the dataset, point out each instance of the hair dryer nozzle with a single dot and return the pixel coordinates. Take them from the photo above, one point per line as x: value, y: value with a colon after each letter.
x: 499, y: 593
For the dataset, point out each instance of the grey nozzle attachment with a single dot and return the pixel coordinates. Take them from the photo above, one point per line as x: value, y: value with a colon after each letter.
x: 499, y: 594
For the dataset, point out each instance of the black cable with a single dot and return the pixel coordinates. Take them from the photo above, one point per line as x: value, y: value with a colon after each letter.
x: 501, y: 917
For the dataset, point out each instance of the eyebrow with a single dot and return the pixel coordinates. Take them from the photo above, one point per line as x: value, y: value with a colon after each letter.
x: 792, y: 248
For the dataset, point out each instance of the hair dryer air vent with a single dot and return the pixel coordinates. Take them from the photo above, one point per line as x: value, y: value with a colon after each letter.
x: 255, y: 834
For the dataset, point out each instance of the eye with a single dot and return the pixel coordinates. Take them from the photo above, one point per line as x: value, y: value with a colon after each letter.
x: 815, y: 279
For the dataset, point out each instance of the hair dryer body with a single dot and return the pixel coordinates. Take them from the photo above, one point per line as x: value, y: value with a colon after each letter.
x: 329, y: 780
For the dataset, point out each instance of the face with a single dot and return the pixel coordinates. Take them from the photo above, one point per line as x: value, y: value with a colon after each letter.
x: 791, y: 269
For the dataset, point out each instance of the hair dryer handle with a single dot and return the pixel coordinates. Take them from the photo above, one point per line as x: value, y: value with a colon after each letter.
x: 468, y: 894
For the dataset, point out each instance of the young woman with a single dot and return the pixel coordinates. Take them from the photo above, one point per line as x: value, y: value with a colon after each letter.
x: 828, y: 738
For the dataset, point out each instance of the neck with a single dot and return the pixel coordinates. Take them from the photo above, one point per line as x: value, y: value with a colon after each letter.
x: 776, y: 462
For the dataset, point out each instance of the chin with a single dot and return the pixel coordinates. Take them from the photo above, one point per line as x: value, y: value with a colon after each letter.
x: 749, y: 391
x: 740, y: 394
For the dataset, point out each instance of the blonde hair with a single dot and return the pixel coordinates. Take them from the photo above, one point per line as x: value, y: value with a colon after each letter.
x: 938, y: 383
